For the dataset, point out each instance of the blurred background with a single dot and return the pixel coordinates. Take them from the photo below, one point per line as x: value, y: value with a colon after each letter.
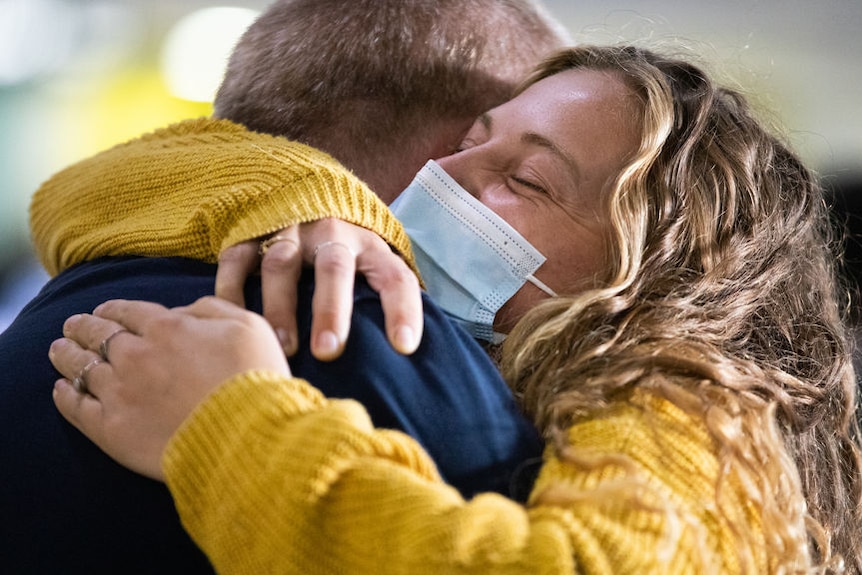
x: 77, y: 76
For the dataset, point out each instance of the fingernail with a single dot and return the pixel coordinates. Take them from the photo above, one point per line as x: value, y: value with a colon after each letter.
x: 327, y: 344
x: 287, y: 342
x: 70, y: 321
x: 52, y: 350
x: 405, y: 340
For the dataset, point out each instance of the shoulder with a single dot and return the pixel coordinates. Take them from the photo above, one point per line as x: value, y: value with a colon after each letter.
x: 448, y: 395
x: 652, y: 432
x: 646, y: 469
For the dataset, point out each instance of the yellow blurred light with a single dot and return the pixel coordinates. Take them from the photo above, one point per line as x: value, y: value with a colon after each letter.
x: 196, y: 50
x: 121, y: 108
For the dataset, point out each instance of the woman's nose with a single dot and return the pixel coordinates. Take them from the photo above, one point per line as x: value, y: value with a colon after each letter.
x: 460, y: 167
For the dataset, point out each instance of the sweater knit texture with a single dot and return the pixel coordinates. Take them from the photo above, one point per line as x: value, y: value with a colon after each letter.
x: 269, y: 476
x: 193, y: 189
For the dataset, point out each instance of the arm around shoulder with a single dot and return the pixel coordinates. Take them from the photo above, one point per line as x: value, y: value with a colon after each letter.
x: 193, y: 189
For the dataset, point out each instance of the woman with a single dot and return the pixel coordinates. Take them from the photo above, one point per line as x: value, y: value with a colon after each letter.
x: 694, y: 384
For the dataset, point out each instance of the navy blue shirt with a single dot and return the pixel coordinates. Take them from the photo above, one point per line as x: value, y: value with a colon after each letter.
x: 65, y: 507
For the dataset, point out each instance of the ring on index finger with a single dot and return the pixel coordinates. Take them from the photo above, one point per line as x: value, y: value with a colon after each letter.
x: 80, y: 381
x: 269, y: 242
x: 103, y: 347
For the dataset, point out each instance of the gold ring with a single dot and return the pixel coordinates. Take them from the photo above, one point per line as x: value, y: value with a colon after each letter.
x: 269, y: 242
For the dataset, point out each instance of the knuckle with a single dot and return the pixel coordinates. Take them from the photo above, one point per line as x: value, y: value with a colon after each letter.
x: 398, y: 274
x: 166, y: 323
x: 253, y: 322
x: 240, y: 253
x: 335, y: 262
x: 130, y: 355
x: 277, y: 260
x: 325, y: 224
x: 207, y: 301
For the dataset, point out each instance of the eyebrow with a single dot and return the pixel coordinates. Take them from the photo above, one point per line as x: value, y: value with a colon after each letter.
x: 539, y: 140
x: 542, y: 141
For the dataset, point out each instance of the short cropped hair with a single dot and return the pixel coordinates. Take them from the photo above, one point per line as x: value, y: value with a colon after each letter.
x: 358, y: 76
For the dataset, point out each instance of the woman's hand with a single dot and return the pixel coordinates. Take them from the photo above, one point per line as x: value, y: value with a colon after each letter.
x: 134, y: 371
x: 337, y: 250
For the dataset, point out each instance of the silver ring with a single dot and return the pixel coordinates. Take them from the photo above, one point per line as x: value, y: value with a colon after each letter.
x: 322, y: 245
x: 80, y: 381
x: 103, y: 347
x: 269, y: 242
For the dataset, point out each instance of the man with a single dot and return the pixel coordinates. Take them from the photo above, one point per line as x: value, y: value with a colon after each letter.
x: 349, y: 77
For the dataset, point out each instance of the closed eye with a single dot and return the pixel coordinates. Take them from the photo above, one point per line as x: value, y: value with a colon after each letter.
x: 528, y: 184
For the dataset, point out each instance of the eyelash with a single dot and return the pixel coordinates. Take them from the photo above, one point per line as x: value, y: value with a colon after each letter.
x: 466, y: 144
x: 528, y: 184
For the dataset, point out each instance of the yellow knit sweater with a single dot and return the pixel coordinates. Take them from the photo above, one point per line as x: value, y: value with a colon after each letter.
x: 193, y: 189
x: 271, y: 477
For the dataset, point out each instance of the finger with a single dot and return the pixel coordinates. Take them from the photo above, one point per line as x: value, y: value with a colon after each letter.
x: 133, y: 315
x: 67, y: 357
x: 89, y: 331
x: 209, y: 307
x: 73, y: 361
x: 400, y: 296
x: 332, y: 303
x: 235, y: 264
x: 280, y: 270
x: 89, y: 415
x: 214, y: 309
x: 80, y: 409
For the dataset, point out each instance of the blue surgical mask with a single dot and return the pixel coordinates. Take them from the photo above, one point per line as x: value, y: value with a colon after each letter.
x: 471, y: 260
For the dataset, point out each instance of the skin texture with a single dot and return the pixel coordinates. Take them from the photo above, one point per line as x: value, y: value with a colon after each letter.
x: 542, y: 162
x: 167, y: 363
x: 344, y: 250
x: 143, y: 362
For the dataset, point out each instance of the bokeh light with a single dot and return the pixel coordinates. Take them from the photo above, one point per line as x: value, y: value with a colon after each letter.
x: 78, y: 76
x: 197, y: 48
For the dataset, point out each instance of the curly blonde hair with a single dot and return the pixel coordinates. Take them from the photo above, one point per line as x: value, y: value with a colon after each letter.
x: 721, y: 296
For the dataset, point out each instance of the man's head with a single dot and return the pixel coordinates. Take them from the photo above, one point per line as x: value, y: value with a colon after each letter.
x: 382, y: 85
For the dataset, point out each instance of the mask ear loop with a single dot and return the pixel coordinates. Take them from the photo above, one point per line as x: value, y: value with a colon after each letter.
x: 497, y: 337
x: 541, y: 285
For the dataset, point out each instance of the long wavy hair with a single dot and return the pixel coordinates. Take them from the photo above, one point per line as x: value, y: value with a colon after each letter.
x: 720, y: 296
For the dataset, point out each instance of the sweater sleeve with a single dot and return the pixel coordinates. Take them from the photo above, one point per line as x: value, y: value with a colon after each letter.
x: 271, y: 477
x: 192, y: 189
